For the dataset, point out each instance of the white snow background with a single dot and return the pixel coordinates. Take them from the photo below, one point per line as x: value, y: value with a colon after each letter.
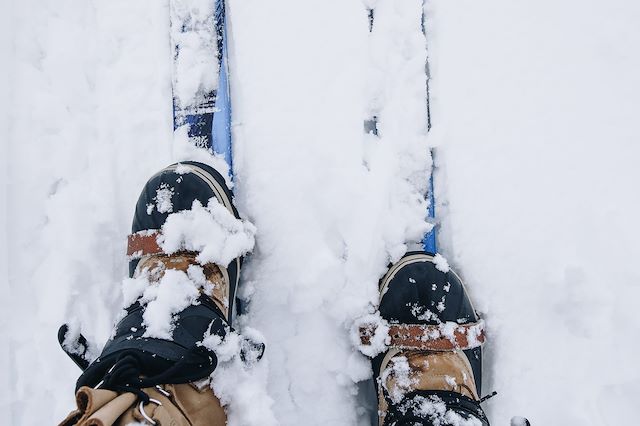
x: 534, y: 109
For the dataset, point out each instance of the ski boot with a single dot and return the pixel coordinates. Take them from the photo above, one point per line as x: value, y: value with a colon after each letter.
x: 157, y: 372
x: 428, y: 371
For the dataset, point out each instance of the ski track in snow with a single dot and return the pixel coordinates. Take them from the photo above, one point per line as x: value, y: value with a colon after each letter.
x: 534, y: 106
x: 331, y: 205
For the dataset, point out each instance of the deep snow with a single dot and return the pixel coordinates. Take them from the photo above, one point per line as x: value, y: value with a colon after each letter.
x: 534, y: 106
x: 534, y: 125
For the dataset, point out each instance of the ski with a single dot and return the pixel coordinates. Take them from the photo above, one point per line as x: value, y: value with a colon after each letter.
x: 429, y: 241
x: 395, y: 327
x: 200, y: 83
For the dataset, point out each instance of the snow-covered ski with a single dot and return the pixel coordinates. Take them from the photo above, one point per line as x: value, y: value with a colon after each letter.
x: 201, y: 96
x: 430, y: 239
x: 429, y: 242
x: 414, y: 333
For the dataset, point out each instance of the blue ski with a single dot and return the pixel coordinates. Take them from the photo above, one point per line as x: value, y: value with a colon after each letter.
x: 206, y: 111
x: 429, y: 242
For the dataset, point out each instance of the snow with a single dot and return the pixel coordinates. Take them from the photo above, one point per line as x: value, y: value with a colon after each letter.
x: 174, y: 292
x: 435, y: 410
x: 332, y: 207
x: 441, y: 263
x: 163, y: 199
x: 72, y: 345
x: 183, y: 149
x: 399, y: 371
x: 239, y: 384
x: 378, y: 341
x: 183, y: 169
x: 534, y: 108
x: 212, y: 231
x: 195, y: 50
x: 6, y: 75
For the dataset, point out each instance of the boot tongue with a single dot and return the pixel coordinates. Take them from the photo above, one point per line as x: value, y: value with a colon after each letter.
x: 214, y: 279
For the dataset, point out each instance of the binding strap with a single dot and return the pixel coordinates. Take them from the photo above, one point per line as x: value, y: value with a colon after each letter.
x: 143, y: 243
x: 442, y: 337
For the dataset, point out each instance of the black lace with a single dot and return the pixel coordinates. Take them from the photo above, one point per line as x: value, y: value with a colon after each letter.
x: 126, y: 376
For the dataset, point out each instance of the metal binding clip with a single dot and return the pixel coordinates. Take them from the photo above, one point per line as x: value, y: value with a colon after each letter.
x: 162, y: 391
x: 146, y: 417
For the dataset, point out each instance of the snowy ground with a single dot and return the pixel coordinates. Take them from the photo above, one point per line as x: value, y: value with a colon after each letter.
x: 533, y: 112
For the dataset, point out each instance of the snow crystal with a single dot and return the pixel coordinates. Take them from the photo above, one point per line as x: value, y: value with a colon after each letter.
x: 399, y: 370
x: 183, y: 169
x: 434, y: 409
x: 212, y: 231
x: 441, y: 263
x: 474, y: 332
x: 163, y: 199
x: 451, y: 381
x: 196, y: 274
x: 417, y: 311
x: 225, y: 348
x: 447, y: 329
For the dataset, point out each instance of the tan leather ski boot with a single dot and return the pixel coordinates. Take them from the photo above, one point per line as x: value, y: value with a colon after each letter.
x: 429, y: 370
x: 142, y: 375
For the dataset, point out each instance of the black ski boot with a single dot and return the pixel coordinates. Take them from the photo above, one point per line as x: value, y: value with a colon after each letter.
x: 429, y: 372
x: 130, y: 361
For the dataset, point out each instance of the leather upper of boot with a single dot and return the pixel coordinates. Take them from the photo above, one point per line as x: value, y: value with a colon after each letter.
x: 417, y: 370
x: 217, y: 277
x: 415, y: 291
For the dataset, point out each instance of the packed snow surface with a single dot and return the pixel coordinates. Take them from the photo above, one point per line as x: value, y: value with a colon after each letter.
x: 534, y: 108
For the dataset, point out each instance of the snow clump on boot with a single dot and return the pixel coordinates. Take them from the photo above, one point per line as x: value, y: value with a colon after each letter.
x: 212, y: 231
x: 239, y: 381
x: 377, y: 329
x: 163, y: 299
